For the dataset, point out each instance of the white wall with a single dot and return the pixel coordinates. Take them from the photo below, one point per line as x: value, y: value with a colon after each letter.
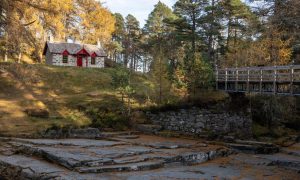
x: 99, y: 62
x: 72, y: 61
x: 58, y: 60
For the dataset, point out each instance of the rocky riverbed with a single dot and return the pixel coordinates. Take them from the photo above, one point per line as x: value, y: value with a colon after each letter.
x: 131, y: 156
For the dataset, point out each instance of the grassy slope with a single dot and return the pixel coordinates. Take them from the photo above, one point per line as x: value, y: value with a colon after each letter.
x: 58, y: 89
x: 66, y: 93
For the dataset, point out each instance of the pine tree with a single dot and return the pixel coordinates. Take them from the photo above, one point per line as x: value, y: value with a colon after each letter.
x: 132, y: 37
x: 212, y: 26
x: 239, y: 19
x: 190, y: 12
x: 160, y: 45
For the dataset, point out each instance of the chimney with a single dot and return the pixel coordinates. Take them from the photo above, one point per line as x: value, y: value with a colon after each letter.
x: 50, y: 37
x: 99, y: 44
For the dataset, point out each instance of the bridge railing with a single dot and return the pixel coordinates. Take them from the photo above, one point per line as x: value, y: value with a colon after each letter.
x: 258, y: 78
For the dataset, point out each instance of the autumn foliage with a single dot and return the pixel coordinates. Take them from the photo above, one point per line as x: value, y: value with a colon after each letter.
x: 27, y: 24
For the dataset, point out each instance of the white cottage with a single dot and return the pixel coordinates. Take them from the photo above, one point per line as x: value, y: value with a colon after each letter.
x: 73, y: 54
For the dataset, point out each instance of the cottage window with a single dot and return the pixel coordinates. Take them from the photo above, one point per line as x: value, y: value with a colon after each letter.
x: 93, y: 60
x: 65, y: 58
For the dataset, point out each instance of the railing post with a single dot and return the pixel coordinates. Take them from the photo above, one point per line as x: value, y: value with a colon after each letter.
x: 261, y: 80
x: 275, y: 80
x: 226, y: 79
x: 217, y: 79
x: 271, y: 79
x: 292, y: 80
x: 236, y: 79
x: 248, y: 80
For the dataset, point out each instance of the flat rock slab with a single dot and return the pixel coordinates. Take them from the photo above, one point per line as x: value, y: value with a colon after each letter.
x: 253, y: 148
x: 241, y: 166
x: 71, y: 142
x: 22, y: 167
x: 284, y: 160
x: 73, y: 156
x: 162, y: 142
x: 120, y: 133
x: 140, y: 166
x: 128, y: 137
x: 292, y: 150
x: 147, y: 157
x: 168, y: 145
x: 31, y: 167
x: 77, y: 154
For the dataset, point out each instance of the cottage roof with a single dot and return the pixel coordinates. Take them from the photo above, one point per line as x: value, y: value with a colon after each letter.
x: 73, y: 48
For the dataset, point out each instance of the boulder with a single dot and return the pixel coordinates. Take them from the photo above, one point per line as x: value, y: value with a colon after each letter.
x: 195, y: 158
x: 88, y: 133
x: 149, y: 128
x: 35, y: 112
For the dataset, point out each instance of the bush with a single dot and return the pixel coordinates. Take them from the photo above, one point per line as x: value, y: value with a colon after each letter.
x: 111, y: 120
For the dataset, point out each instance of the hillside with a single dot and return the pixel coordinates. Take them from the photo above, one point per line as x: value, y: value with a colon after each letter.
x: 62, y: 92
x: 73, y: 97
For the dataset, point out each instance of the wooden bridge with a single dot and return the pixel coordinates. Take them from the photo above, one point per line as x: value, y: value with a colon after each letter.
x: 265, y: 80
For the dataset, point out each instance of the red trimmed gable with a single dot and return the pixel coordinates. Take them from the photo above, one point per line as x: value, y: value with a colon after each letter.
x: 83, y: 52
x: 65, y: 53
x: 94, y: 55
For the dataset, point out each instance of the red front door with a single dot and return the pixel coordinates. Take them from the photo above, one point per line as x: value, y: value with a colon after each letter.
x: 79, y: 61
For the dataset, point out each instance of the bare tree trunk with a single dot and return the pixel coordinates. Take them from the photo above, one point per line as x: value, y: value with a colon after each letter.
x: 160, y: 75
x: 228, y: 32
x: 216, y: 59
x: 126, y: 59
x: 6, y: 47
x: 210, y: 39
x: 235, y: 46
x: 133, y: 60
x: 129, y: 108
x: 144, y: 66
x: 194, y: 37
x: 5, y: 56
x: 19, y: 57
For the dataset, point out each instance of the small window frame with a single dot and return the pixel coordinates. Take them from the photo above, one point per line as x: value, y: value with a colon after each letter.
x: 93, y: 60
x: 65, y: 59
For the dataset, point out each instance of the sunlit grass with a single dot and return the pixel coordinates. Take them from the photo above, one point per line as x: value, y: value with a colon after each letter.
x: 73, y: 96
x: 61, y: 91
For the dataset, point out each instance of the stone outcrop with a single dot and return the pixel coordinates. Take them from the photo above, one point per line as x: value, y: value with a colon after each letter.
x: 88, y: 133
x: 100, y: 156
x: 147, y: 157
x: 198, y: 121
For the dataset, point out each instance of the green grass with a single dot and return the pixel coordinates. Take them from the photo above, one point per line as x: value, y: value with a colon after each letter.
x: 64, y: 92
x: 77, y: 97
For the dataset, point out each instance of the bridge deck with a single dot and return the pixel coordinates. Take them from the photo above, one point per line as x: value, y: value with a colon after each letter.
x: 270, y: 79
